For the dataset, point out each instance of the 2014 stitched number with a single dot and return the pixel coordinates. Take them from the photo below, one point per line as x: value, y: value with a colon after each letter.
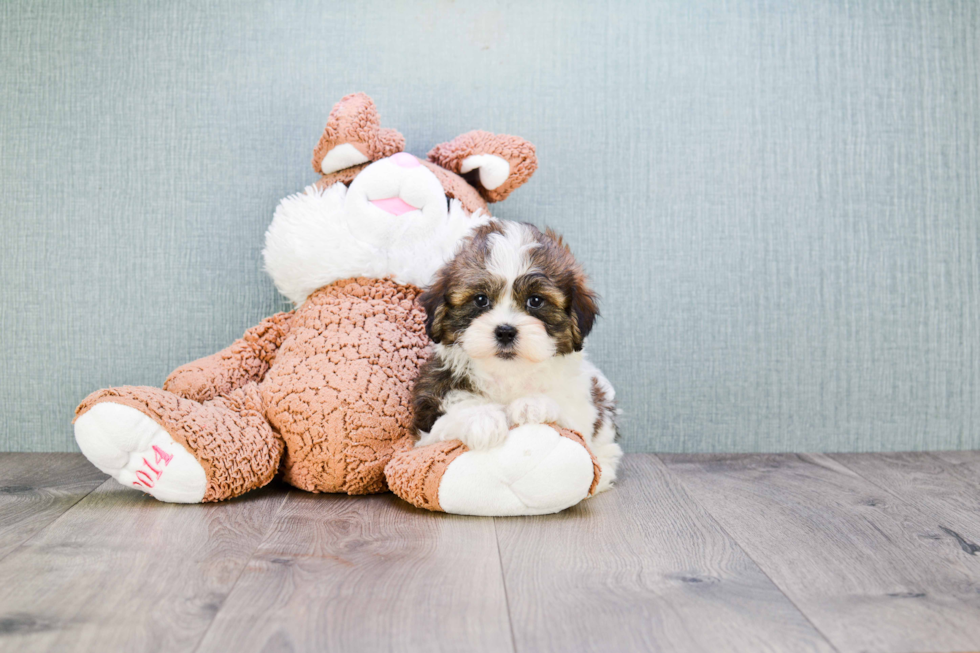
x: 148, y: 477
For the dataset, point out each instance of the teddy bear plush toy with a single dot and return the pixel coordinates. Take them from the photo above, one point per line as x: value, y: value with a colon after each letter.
x: 322, y: 395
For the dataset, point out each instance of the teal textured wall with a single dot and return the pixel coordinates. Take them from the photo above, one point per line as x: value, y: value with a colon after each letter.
x: 779, y: 201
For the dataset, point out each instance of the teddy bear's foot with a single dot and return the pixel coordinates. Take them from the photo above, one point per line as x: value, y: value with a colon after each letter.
x: 539, y: 469
x: 136, y: 451
x: 228, y: 440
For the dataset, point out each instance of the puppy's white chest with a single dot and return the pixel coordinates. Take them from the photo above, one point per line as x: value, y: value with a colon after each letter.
x: 567, y: 385
x: 505, y: 388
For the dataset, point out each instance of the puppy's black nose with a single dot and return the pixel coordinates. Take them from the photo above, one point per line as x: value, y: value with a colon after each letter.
x: 505, y: 334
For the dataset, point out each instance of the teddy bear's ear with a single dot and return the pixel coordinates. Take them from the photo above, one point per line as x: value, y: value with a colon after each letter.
x: 495, y: 164
x: 354, y: 136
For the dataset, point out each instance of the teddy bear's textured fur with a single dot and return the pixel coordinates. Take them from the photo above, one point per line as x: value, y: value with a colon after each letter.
x: 340, y: 392
x: 322, y: 394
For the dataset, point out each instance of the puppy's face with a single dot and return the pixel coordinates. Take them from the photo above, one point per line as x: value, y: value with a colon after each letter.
x: 511, y: 293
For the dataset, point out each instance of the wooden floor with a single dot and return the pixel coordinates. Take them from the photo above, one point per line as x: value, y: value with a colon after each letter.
x: 873, y: 552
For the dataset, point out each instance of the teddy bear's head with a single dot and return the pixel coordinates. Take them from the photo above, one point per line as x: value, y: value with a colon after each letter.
x: 475, y: 168
x: 378, y: 211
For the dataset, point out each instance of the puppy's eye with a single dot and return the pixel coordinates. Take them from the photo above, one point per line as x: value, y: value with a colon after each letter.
x: 481, y: 300
x: 535, y: 301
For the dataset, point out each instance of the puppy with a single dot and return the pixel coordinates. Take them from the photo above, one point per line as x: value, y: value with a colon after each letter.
x: 508, y: 316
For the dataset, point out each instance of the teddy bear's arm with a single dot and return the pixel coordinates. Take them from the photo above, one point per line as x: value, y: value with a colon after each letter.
x: 245, y: 360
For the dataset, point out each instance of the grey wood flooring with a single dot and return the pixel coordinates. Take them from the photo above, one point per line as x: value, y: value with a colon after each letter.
x: 850, y: 552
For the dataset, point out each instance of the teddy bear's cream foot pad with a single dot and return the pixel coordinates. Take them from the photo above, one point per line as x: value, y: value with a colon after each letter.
x: 139, y: 453
x: 536, y: 471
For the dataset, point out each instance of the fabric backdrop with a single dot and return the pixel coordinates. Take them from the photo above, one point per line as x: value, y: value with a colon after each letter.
x: 778, y: 201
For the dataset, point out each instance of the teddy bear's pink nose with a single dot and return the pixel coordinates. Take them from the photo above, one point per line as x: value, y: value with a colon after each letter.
x: 405, y: 160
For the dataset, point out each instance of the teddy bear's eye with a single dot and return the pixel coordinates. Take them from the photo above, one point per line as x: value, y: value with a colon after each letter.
x: 535, y: 301
x: 481, y: 301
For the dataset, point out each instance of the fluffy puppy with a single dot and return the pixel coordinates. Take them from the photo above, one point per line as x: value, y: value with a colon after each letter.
x: 508, y: 316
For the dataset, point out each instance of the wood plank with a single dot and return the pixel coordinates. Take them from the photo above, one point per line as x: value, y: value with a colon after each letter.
x: 871, y: 571
x: 931, y: 484
x: 121, y: 571
x: 642, y: 567
x: 367, y: 574
x: 36, y: 489
x: 965, y: 464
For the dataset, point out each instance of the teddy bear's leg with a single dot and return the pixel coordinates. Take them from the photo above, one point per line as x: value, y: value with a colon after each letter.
x: 540, y: 469
x: 176, y: 449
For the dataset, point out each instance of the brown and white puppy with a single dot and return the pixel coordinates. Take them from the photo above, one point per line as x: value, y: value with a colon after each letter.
x: 509, y: 315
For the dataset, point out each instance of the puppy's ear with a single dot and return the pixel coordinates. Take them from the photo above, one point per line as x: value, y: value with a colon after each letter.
x: 495, y: 164
x: 583, y: 305
x: 433, y: 301
x: 354, y: 136
x: 584, y: 309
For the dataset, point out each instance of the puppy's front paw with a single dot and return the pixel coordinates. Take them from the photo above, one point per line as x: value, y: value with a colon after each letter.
x: 536, y: 409
x: 478, y: 427
x: 484, y: 427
